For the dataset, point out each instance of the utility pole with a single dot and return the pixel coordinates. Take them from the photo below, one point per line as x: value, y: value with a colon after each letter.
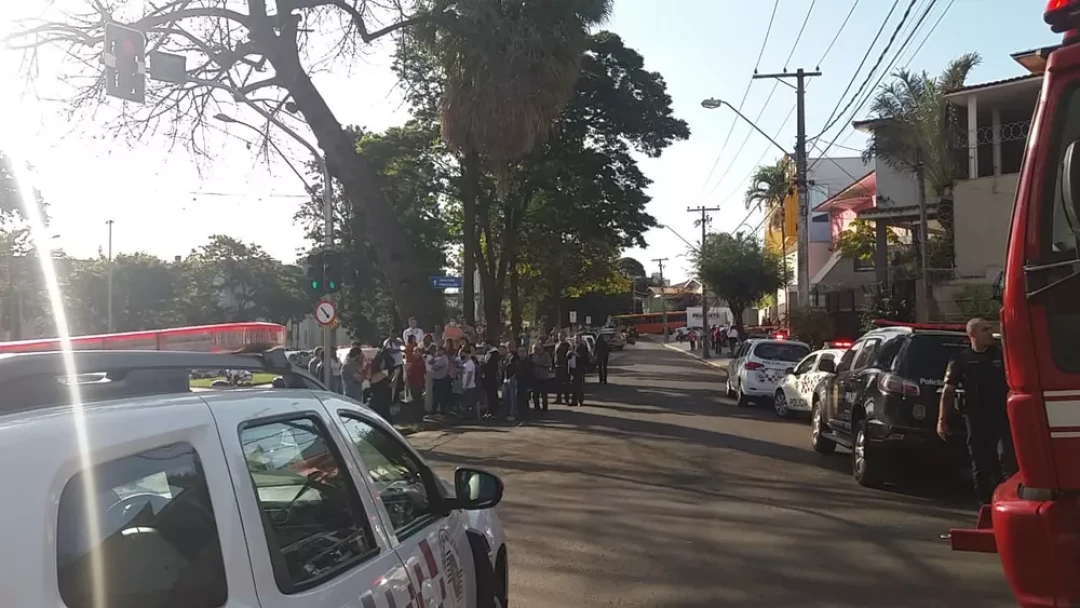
x: 922, y: 291
x: 802, y: 266
x: 108, y: 306
x: 704, y: 221
x: 663, y: 298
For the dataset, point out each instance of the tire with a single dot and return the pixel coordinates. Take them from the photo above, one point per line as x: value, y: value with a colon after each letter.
x: 487, y: 583
x: 730, y: 392
x: 744, y: 400
x: 866, y: 464
x: 821, y: 445
x: 780, y: 405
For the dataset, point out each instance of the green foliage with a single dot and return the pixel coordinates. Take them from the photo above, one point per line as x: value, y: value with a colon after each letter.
x: 631, y: 268
x: 811, y: 325
x: 977, y: 301
x: 880, y: 303
x: 859, y: 240
x: 413, y: 166
x: 770, y: 186
x: 584, y: 183
x: 739, y: 270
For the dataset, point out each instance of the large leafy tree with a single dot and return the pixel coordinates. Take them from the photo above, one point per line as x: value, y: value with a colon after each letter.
x: 912, y: 120
x: 229, y: 280
x: 248, y: 54
x: 147, y: 294
x: 412, y: 164
x: 769, y: 187
x: 507, y: 71
x: 739, y: 269
x: 583, y: 183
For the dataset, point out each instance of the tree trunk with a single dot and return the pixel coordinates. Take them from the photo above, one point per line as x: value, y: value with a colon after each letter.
x: 515, y: 300
x: 470, y: 188
x: 394, y: 253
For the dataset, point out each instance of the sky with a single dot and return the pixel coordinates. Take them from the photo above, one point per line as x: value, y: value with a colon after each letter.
x: 164, y: 202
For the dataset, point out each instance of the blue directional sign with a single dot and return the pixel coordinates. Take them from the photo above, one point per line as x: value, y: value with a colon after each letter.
x: 445, y: 282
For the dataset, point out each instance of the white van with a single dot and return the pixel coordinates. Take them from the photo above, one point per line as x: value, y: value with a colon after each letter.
x: 148, y: 495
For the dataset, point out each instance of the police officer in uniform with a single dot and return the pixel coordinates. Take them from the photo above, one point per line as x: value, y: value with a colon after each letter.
x: 980, y: 372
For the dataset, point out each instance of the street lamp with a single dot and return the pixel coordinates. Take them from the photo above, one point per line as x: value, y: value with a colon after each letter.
x: 713, y: 103
x: 328, y: 204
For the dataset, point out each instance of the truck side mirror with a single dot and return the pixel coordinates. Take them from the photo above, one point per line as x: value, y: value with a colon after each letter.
x: 1070, y: 184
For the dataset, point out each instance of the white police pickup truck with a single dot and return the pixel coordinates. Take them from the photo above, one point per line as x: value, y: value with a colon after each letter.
x: 149, y: 495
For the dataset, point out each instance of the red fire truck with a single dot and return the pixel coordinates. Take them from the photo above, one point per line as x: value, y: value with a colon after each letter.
x: 1033, y: 522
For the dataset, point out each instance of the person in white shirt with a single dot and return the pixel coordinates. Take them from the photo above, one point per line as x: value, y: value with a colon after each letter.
x: 732, y: 337
x: 413, y: 330
x: 469, y: 383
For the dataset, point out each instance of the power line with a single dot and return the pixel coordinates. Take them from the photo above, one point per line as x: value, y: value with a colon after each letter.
x: 799, y: 36
x: 762, y: 157
x: 765, y: 105
x: 838, y: 32
x: 720, y: 180
x: 930, y: 33
x: 768, y: 30
x: 734, y: 119
x: 834, y: 116
x: 870, y: 91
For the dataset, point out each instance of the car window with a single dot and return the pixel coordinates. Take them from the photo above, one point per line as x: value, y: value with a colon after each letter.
x: 849, y: 356
x: 826, y: 357
x: 869, y: 349
x: 927, y: 356
x: 805, y: 365
x: 158, y: 536
x: 780, y: 351
x: 315, y: 524
x: 395, y: 473
x: 886, y: 355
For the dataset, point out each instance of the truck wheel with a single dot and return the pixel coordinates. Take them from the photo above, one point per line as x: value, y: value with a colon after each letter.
x: 866, y: 463
x: 821, y: 445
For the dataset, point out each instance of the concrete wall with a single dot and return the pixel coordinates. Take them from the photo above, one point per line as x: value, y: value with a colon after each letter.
x: 895, y: 189
x: 831, y: 175
x: 983, y: 208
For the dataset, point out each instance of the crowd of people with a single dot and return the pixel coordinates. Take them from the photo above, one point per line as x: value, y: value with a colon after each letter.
x: 719, y: 337
x: 456, y: 372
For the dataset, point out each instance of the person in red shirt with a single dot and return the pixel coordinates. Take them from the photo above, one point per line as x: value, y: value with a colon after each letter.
x: 415, y: 371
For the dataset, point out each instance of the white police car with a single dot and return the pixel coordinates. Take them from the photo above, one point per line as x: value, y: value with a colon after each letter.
x: 151, y: 496
x: 759, y: 366
x: 796, y: 390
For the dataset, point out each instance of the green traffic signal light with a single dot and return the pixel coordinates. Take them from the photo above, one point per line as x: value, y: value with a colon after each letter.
x: 314, y: 284
x: 332, y: 285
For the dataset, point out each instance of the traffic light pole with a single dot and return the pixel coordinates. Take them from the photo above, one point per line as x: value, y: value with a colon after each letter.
x: 328, y: 244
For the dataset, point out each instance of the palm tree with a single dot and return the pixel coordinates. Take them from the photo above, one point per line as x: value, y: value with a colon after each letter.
x: 769, y: 188
x: 913, y: 117
x: 509, y: 68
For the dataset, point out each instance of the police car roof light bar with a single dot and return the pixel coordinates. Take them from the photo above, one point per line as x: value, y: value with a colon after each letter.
x: 917, y: 326
x: 34, y: 380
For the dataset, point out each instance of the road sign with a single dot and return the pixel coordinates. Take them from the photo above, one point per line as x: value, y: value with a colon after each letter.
x: 445, y: 282
x: 573, y: 316
x: 325, y: 312
x: 168, y: 67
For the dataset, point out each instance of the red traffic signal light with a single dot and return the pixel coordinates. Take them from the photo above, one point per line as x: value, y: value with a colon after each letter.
x: 125, y: 62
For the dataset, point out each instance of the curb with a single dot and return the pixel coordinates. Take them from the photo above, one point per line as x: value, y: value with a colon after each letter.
x: 720, y: 366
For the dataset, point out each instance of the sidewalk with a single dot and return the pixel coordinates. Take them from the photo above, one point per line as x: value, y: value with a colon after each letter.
x: 718, y: 361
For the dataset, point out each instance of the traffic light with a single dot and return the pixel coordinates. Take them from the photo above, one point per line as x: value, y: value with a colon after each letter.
x: 125, y: 63
x: 315, y: 270
x: 332, y: 262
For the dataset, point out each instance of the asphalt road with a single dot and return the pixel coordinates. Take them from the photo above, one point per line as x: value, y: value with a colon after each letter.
x: 661, y: 493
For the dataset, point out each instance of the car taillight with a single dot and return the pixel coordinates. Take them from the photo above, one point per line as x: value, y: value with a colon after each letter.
x: 753, y: 365
x: 891, y: 383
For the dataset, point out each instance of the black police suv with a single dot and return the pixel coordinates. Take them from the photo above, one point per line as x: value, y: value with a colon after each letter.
x: 882, y: 403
